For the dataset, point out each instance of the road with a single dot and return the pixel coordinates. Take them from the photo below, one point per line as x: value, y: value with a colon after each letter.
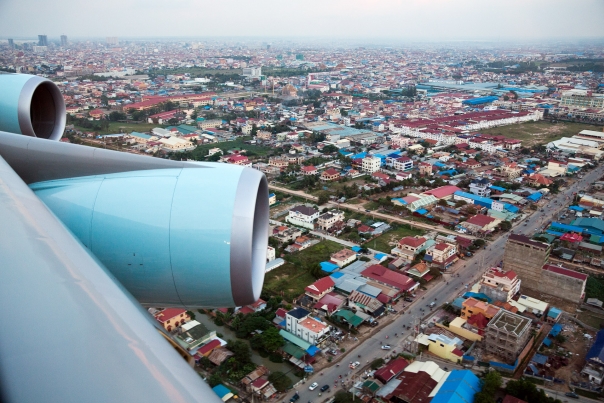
x: 445, y: 290
x: 374, y: 214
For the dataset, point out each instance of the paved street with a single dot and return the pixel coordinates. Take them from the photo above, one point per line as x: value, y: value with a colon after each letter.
x: 444, y: 290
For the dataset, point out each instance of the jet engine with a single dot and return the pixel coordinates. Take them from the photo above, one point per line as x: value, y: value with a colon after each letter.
x: 172, y: 233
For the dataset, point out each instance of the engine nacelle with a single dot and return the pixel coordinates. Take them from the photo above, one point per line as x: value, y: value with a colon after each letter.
x: 173, y: 237
x: 32, y: 106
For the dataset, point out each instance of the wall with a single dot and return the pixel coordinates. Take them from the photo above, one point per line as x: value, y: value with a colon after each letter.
x: 526, y: 261
x: 456, y: 327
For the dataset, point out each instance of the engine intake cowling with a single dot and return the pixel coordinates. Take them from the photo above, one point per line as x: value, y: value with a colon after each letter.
x: 172, y: 237
x: 32, y: 106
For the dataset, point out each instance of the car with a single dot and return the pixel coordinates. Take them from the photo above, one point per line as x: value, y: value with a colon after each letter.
x: 408, y: 299
x: 572, y: 394
x: 324, y: 388
x: 432, y: 304
x: 354, y: 365
x: 367, y: 211
x: 294, y: 398
x: 386, y: 347
x: 374, y: 323
x: 313, y: 386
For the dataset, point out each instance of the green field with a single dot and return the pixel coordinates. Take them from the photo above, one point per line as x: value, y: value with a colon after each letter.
x: 386, y: 241
x: 590, y: 319
x: 595, y: 287
x: 542, y: 132
x: 239, y: 143
x: 290, y: 279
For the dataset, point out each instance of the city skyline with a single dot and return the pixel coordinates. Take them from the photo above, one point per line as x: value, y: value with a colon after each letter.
x: 388, y: 20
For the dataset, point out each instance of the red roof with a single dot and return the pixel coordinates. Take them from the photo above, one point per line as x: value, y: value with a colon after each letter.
x: 237, y: 158
x: 565, y: 272
x: 280, y: 313
x: 441, y: 246
x: 331, y: 172
x: 309, y: 168
x: 389, y: 277
x: 246, y: 310
x: 479, y: 320
x: 412, y: 241
x: 169, y: 313
x: 208, y: 347
x: 320, y: 286
x: 571, y: 237
x: 443, y: 191
x: 390, y: 370
x: 481, y: 220
x: 259, y: 383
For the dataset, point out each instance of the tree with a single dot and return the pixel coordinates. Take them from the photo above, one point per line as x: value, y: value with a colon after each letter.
x: 375, y: 364
x: 329, y: 149
x: 442, y: 202
x: 323, y: 198
x: 215, y: 379
x: 271, y: 339
x: 280, y: 381
x: 344, y: 397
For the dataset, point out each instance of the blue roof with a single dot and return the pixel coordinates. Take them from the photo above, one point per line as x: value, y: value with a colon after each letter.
x: 421, y: 211
x: 312, y: 350
x: 576, y: 208
x: 400, y: 200
x: 566, y: 227
x: 440, y: 164
x: 449, y: 172
x: 380, y: 256
x: 556, y: 329
x: 221, y: 390
x: 547, y: 342
x: 539, y: 359
x: 596, y: 352
x: 479, y: 100
x: 554, y: 233
x: 511, y: 208
x: 457, y: 302
x: 359, y: 155
x: 356, y: 248
x: 498, y: 188
x: 271, y: 194
x: 299, y: 313
x: 460, y: 387
x: 474, y: 197
x: 141, y: 135
x: 328, y: 267
x: 554, y: 312
x: 336, y: 275
x: 535, y: 196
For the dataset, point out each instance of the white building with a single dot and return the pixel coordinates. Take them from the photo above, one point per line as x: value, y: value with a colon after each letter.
x: 303, y: 216
x: 299, y: 323
x: 371, y: 164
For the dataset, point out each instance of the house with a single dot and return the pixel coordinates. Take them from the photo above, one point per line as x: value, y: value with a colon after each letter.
x: 371, y: 164
x: 319, y: 288
x: 366, y: 303
x: 391, y: 370
x: 327, y: 220
x: 302, y: 325
x: 388, y: 277
x: 330, y: 174
x: 303, y: 216
x: 480, y: 187
x: 285, y: 234
x: 272, y: 199
x: 420, y: 270
x: 301, y: 243
x: 343, y: 257
x: 500, y: 285
x: 443, y: 192
x: 238, y: 159
x: 193, y: 334
x: 480, y: 223
x: 442, y: 255
x: 425, y: 169
x: 538, y: 180
x: 206, y: 349
x: 172, y: 318
x: 445, y: 347
x: 402, y: 164
x: 309, y: 170
x: 471, y: 306
x: 408, y: 247
x: 460, y: 382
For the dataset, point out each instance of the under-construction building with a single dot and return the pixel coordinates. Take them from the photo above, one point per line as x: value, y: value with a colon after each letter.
x: 506, y: 335
x: 526, y: 257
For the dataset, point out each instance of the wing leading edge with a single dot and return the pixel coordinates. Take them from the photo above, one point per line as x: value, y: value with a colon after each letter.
x: 70, y: 331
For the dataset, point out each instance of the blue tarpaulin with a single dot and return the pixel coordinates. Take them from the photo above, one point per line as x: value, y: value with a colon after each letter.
x: 556, y: 329
x: 539, y: 359
x: 498, y: 188
x: 421, y: 211
x: 535, y: 196
x: 356, y: 248
x: 576, y: 208
x: 328, y: 267
x: 312, y: 350
x: 547, y: 342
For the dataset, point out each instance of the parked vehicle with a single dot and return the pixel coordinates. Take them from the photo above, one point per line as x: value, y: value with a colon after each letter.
x: 324, y: 388
x: 572, y: 394
x: 313, y: 386
x: 294, y: 398
x: 386, y: 347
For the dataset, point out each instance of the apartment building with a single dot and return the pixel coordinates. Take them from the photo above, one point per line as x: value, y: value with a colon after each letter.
x: 303, y: 216
x: 582, y: 99
x: 299, y: 323
x: 327, y: 220
x: 371, y: 164
x: 500, y: 285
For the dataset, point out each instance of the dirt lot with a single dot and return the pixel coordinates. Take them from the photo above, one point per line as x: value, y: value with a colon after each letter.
x: 576, y: 344
x: 541, y: 132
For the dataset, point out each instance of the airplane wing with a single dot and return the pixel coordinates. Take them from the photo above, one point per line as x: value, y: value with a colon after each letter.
x: 71, y: 332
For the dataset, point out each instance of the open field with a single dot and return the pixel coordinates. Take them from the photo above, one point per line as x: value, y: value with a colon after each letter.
x: 591, y: 319
x: 542, y: 132
x: 239, y: 143
x: 386, y: 241
x: 290, y: 279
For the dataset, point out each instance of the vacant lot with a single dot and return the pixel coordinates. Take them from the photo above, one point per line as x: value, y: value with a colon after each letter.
x: 591, y: 319
x: 542, y: 132
x: 387, y: 241
x: 239, y: 143
x: 290, y: 279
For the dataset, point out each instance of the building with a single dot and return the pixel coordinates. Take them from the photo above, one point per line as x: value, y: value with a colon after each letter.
x: 500, y: 285
x: 391, y: 278
x: 343, y: 257
x: 391, y: 370
x: 299, y: 323
x: 42, y: 40
x: 447, y: 348
x: 460, y: 386
x: 319, y: 288
x: 111, y: 40
x: 582, y: 99
x: 330, y: 174
x: 63, y: 40
x: 327, y: 220
x: 471, y: 306
x: 11, y: 43
x: 480, y: 187
x: 270, y: 254
x: 526, y: 258
x: 507, y: 334
x: 303, y: 216
x: 442, y: 255
x: 252, y: 73
x: 371, y: 164
x: 193, y: 334
x: 425, y: 169
x: 408, y: 247
x: 209, y: 124
x: 172, y: 318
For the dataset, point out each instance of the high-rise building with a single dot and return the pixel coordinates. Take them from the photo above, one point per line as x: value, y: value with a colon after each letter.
x: 526, y: 258
x: 11, y: 43
x: 112, y: 40
x: 42, y: 40
x: 63, y: 40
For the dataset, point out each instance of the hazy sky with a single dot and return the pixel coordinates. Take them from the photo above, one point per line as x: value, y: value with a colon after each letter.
x: 393, y: 19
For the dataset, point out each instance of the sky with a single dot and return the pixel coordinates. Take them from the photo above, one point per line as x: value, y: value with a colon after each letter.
x: 422, y: 20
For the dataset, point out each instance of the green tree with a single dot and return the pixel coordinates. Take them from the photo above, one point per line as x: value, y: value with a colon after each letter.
x: 375, y: 364
x: 271, y: 339
x: 280, y: 381
x: 323, y: 198
x: 215, y: 379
